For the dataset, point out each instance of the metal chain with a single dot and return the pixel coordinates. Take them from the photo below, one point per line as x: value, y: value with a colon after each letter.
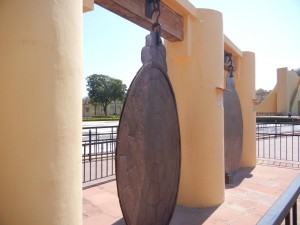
x: 156, y: 26
x: 230, y: 61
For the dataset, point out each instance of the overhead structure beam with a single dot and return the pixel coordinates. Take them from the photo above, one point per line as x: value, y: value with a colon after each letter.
x: 134, y: 11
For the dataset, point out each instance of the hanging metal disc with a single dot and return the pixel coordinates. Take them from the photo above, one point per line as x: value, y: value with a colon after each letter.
x: 148, y: 143
x: 233, y: 127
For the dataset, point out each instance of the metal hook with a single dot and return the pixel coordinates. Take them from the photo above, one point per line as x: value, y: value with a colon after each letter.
x: 150, y: 7
x: 229, y: 63
x: 157, y: 8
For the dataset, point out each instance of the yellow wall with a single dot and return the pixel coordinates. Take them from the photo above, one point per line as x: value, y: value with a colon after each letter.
x: 287, y: 83
x: 40, y: 132
x: 87, y: 5
x: 245, y: 86
x: 282, y: 100
x: 296, y: 103
x: 285, y: 96
x: 292, y: 87
x: 195, y: 69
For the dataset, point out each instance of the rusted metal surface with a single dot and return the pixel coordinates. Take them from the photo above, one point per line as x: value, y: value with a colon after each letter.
x: 233, y: 127
x: 148, y: 143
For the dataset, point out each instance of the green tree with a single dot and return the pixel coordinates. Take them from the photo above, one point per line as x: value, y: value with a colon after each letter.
x: 104, y: 89
x: 86, y: 100
x: 94, y: 104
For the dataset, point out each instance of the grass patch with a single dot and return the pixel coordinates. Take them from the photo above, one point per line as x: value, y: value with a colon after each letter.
x: 101, y: 118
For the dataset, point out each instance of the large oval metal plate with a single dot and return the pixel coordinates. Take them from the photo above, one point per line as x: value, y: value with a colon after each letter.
x: 148, y: 150
x: 233, y: 128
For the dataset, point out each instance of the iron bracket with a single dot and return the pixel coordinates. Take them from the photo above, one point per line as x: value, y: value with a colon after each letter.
x: 150, y: 7
x: 229, y: 62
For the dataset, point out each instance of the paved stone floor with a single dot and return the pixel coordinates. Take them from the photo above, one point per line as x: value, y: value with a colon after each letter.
x: 247, y: 199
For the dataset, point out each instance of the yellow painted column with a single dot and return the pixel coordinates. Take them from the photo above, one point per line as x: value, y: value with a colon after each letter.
x: 282, y: 96
x: 196, y: 69
x: 246, y: 92
x: 40, y: 116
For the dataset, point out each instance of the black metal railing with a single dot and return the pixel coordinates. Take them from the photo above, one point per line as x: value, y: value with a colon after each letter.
x: 98, y: 152
x: 285, y: 207
x: 278, y: 141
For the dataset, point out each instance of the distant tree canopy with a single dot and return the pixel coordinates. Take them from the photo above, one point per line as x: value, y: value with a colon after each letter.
x: 261, y: 94
x: 297, y: 71
x: 103, y: 89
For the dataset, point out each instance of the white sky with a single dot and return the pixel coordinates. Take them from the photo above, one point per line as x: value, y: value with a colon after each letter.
x: 270, y: 28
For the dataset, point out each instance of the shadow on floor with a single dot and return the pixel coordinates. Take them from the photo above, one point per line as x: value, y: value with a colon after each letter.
x: 191, y: 216
x: 120, y: 222
x: 196, y: 216
x: 239, y: 176
x: 184, y: 215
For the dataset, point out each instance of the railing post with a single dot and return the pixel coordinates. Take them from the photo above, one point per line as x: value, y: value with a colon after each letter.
x: 258, y: 139
x: 90, y: 145
x: 288, y: 219
x: 98, y: 146
x: 295, y: 213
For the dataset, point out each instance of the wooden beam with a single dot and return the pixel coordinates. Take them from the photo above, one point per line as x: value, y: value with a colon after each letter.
x: 134, y: 11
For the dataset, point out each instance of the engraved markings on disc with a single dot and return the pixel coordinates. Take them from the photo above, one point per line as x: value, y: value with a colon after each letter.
x: 148, y: 150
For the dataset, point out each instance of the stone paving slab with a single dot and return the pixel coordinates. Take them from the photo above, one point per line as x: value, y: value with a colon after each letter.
x: 247, y: 199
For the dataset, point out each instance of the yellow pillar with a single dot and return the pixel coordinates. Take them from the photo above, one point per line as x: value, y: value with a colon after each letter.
x: 40, y: 116
x: 282, y: 83
x: 196, y: 69
x: 246, y: 92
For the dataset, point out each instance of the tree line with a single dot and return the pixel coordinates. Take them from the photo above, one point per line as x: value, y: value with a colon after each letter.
x: 261, y: 94
x: 103, y: 89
